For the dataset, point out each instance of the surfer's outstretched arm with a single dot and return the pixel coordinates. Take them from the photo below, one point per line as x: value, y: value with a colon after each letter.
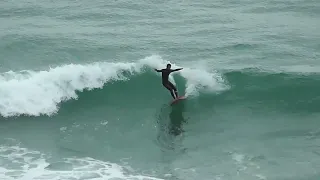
x: 173, y: 70
x: 158, y: 70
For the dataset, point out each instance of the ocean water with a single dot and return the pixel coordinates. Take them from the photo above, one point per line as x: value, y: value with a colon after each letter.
x: 79, y: 99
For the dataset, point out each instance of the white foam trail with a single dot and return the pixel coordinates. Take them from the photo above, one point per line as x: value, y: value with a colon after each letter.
x: 18, y: 163
x: 197, y: 79
x: 202, y: 80
x: 36, y: 93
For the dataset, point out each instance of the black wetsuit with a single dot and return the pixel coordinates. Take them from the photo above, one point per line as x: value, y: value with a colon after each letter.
x: 165, y: 80
x: 167, y: 84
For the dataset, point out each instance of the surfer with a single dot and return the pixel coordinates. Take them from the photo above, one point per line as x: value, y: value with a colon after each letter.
x: 165, y: 80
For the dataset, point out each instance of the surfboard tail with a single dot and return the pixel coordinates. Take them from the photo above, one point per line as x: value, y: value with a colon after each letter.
x: 178, y: 99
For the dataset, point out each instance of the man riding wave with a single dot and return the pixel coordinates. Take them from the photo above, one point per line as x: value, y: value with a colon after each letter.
x: 165, y: 80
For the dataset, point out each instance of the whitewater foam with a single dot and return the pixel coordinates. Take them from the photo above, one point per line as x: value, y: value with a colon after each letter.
x: 23, y: 164
x: 36, y: 93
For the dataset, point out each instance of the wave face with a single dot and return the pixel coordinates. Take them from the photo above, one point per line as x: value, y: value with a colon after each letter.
x: 293, y: 91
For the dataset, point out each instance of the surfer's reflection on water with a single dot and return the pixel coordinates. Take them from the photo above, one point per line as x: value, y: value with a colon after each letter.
x: 170, y: 122
x: 175, y: 125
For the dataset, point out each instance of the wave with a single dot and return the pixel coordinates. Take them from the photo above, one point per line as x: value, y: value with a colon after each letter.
x: 36, y: 93
x: 283, y: 89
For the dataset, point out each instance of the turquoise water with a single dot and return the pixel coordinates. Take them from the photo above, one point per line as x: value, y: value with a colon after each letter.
x: 79, y: 98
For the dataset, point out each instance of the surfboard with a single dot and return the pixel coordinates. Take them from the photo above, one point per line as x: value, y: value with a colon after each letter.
x: 180, y: 98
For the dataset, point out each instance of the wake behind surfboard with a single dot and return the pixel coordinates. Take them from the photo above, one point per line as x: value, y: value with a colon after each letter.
x: 180, y: 98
